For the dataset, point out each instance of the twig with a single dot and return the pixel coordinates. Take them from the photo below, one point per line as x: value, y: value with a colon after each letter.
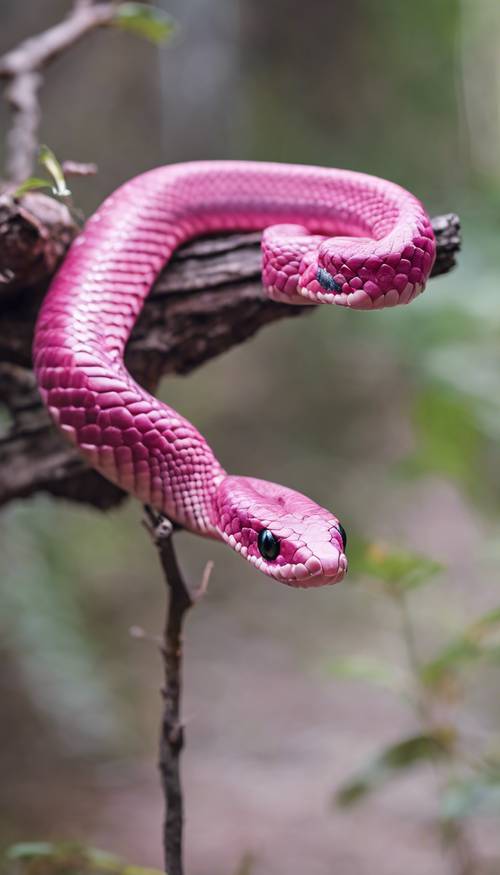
x: 79, y: 168
x: 22, y: 67
x: 172, y: 733
x: 422, y: 703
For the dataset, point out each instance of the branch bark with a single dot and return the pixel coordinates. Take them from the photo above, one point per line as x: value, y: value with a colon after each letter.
x: 179, y: 601
x: 208, y: 299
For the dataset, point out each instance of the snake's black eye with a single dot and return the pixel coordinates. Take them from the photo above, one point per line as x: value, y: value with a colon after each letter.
x: 326, y: 280
x: 269, y: 546
x: 343, y: 535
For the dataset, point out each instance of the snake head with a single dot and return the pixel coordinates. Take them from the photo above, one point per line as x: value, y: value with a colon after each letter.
x: 281, y: 532
x: 366, y: 274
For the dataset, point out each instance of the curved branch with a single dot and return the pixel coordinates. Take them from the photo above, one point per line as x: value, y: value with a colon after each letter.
x: 208, y: 299
x: 22, y: 68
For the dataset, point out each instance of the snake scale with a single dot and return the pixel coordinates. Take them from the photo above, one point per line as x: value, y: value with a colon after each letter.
x: 329, y: 236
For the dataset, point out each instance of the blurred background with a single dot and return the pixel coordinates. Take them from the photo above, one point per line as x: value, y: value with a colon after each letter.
x: 399, y: 436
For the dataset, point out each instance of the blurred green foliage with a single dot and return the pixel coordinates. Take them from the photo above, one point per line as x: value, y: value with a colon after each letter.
x: 472, y: 644
x: 57, y: 184
x: 48, y: 160
x: 472, y: 796
x: 399, y: 571
x: 373, y: 407
x: 470, y: 785
x: 47, y: 858
x: 146, y: 21
x: 424, y: 748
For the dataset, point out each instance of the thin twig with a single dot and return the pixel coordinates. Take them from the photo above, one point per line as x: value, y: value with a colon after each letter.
x: 79, y: 168
x: 172, y: 733
x: 22, y: 68
x: 423, y: 704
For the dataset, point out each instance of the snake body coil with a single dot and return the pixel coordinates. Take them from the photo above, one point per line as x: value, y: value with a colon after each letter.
x: 330, y: 236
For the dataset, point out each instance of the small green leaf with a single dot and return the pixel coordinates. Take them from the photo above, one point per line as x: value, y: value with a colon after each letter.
x: 489, y: 622
x: 30, y: 849
x: 479, y: 795
x: 48, y: 160
x: 440, y: 671
x: 71, y: 859
x: 138, y: 870
x: 393, y: 761
x: 31, y: 184
x: 399, y: 570
x: 472, y: 644
x: 149, y: 22
x: 99, y: 856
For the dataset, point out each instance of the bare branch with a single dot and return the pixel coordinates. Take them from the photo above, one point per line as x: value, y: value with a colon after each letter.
x: 36, y: 52
x: 22, y: 96
x: 208, y: 299
x: 449, y: 242
x: 78, y: 168
x: 22, y: 68
x: 180, y: 601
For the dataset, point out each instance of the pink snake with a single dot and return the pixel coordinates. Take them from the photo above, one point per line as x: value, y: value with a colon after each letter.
x: 331, y: 236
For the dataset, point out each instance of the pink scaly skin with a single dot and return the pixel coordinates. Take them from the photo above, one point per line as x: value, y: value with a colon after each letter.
x: 335, y: 237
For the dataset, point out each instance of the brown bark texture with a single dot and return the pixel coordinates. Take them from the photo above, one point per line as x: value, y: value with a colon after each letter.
x: 208, y: 299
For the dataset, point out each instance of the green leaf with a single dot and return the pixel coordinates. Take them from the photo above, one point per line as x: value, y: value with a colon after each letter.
x: 479, y: 795
x: 31, y: 184
x: 472, y: 644
x: 440, y: 671
x: 48, y: 160
x: 139, y: 870
x: 149, y: 22
x: 30, y: 849
x: 489, y: 622
x: 399, y: 570
x: 449, y: 439
x: 395, y: 760
x: 71, y: 859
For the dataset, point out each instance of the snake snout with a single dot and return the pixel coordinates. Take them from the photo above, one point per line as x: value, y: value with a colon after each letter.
x: 328, y: 543
x: 333, y: 565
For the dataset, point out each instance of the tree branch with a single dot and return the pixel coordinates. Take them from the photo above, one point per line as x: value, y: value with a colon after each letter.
x: 449, y: 242
x: 180, y: 600
x: 22, y: 68
x: 21, y: 142
x: 208, y: 299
